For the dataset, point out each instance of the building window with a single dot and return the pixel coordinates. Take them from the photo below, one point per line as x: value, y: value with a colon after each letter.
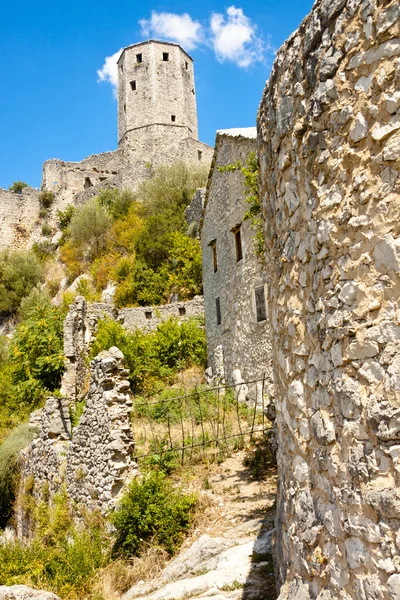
x: 133, y: 85
x: 148, y: 314
x: 218, y: 310
x: 238, y: 242
x: 122, y: 68
x: 139, y: 58
x: 261, y: 309
x: 87, y: 183
x: 182, y: 311
x: 186, y: 65
x: 173, y: 118
x: 124, y: 108
x: 165, y: 56
x: 199, y: 154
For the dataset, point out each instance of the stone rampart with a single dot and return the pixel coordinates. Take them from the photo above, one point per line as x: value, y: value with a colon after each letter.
x: 329, y: 150
x: 19, y: 218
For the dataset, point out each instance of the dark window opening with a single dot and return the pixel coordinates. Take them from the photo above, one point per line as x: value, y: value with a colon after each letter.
x: 214, y: 256
x: 193, y: 91
x: 199, y: 154
x: 122, y: 68
x: 173, y: 118
x: 165, y: 56
x: 102, y: 178
x: 238, y: 243
x: 139, y: 58
x: 218, y: 310
x: 87, y: 183
x: 133, y: 85
x: 186, y: 65
x: 148, y: 314
x: 124, y: 108
x: 182, y: 311
x: 261, y: 309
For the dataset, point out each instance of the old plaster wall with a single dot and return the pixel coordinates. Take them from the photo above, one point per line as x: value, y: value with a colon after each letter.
x: 92, y: 461
x: 19, y: 218
x: 329, y: 148
x: 240, y: 345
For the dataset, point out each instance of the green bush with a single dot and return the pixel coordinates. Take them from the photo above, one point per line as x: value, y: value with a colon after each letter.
x: 46, y: 230
x: 89, y: 227
x: 154, y: 357
x: 46, y: 198
x: 37, y: 298
x: 36, y: 353
x: 117, y: 202
x: 20, y: 272
x: 17, y: 186
x: 152, y: 511
x: 64, y: 217
x: 18, y: 439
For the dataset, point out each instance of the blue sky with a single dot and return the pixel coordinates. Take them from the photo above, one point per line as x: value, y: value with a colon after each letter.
x: 52, y: 104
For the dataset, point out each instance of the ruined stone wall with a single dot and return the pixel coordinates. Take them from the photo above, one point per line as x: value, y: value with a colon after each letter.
x: 194, y: 211
x: 240, y: 344
x: 329, y: 149
x: 19, y: 218
x: 92, y: 461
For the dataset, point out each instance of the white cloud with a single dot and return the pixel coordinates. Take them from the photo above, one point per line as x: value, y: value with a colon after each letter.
x: 234, y: 38
x: 178, y: 28
x: 109, y: 71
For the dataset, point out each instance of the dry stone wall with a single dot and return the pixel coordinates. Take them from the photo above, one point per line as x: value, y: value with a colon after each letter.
x: 329, y: 149
x: 19, y: 218
x: 93, y: 461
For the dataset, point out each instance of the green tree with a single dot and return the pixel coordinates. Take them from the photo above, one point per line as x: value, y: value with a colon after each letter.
x: 89, y: 227
x: 117, y: 202
x: 20, y: 272
x: 18, y: 186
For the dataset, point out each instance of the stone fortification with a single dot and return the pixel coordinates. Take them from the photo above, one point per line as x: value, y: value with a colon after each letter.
x: 329, y: 149
x: 194, y: 211
x: 80, y: 327
x: 93, y: 461
x: 238, y: 344
x: 19, y: 218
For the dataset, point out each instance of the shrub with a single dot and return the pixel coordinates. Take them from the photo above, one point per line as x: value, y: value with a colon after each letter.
x: 157, y: 356
x: 46, y: 230
x: 46, y: 198
x: 116, y: 201
x: 37, y: 298
x: 42, y: 250
x: 18, y: 439
x: 43, y: 212
x: 89, y: 227
x: 152, y: 511
x: 20, y: 271
x: 17, y: 187
x: 65, y: 216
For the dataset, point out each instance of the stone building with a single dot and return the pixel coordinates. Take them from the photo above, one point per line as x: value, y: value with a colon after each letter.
x: 157, y: 125
x: 329, y: 152
x: 234, y: 277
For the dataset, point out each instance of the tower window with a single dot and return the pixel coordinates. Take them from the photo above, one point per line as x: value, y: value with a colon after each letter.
x: 186, y: 65
x: 213, y: 246
x: 139, y: 58
x: 165, y: 56
x: 261, y: 309
x: 238, y: 243
x: 122, y: 68
x: 199, y: 154
x: 133, y: 85
x: 148, y: 314
x: 173, y: 118
x: 124, y: 108
x: 218, y: 310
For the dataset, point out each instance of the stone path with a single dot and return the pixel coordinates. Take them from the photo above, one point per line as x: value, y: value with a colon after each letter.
x: 232, y: 557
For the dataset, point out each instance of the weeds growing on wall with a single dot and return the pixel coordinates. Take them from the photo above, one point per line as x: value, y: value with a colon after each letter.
x: 251, y: 199
x: 154, y: 358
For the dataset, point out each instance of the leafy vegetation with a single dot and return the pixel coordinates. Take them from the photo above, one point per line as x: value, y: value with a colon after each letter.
x: 138, y: 241
x: 46, y: 198
x: 20, y: 272
x: 251, y: 199
x: 154, y: 358
x: 152, y: 511
x: 9, y: 450
x: 17, y: 186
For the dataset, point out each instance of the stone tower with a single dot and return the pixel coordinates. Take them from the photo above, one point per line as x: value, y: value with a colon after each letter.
x: 156, y: 94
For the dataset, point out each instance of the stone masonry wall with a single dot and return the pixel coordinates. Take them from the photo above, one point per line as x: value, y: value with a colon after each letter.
x: 19, y: 215
x: 93, y: 461
x: 329, y: 149
x: 239, y: 348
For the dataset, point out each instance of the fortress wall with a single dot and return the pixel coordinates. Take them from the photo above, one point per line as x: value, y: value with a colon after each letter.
x: 19, y: 214
x: 329, y: 148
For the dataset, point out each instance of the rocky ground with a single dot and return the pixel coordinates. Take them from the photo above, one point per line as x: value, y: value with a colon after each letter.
x: 230, y: 556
